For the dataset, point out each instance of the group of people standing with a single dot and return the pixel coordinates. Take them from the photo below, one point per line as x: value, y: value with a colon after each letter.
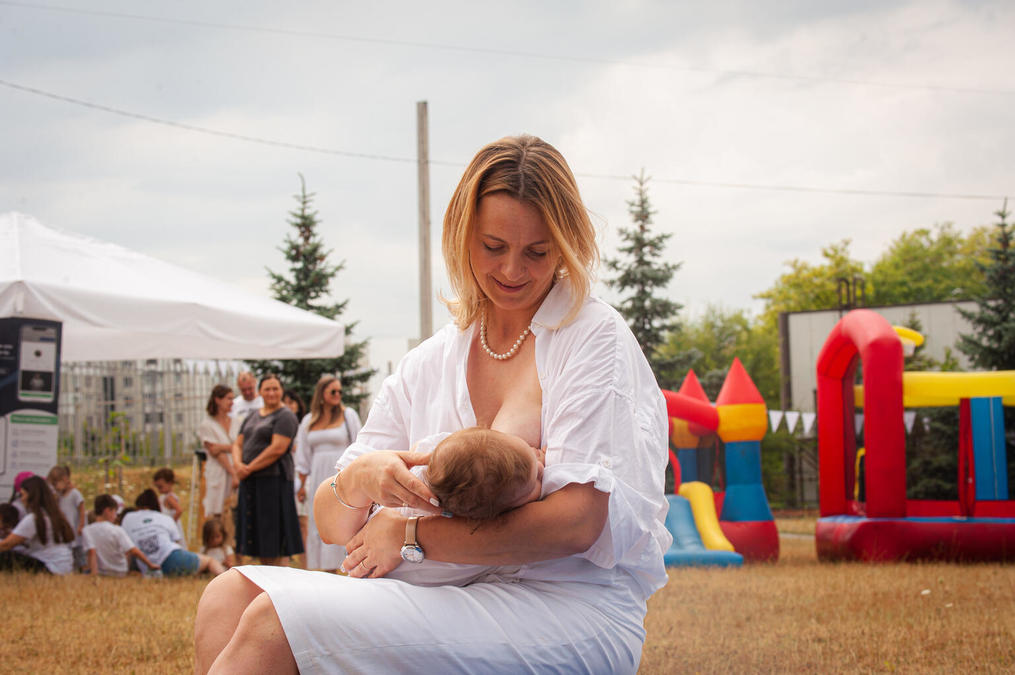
x: 262, y: 446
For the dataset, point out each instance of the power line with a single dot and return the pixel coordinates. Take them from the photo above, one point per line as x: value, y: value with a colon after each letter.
x: 754, y: 74
x: 389, y: 158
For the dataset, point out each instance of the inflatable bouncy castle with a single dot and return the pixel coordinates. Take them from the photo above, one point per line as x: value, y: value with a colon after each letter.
x: 979, y: 525
x: 735, y: 523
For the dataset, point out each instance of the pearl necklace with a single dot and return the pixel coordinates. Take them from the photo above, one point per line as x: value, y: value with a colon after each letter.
x: 509, y: 353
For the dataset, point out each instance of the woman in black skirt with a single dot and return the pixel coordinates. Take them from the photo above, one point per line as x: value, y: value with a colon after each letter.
x: 266, y: 522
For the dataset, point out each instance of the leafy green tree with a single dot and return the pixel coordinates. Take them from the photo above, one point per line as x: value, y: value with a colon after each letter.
x: 709, y: 342
x: 643, y: 275
x: 926, y: 265
x: 810, y: 286
x: 308, y: 286
x: 991, y: 345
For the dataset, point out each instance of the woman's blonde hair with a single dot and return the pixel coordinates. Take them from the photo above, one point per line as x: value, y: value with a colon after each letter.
x: 317, y: 402
x: 532, y: 171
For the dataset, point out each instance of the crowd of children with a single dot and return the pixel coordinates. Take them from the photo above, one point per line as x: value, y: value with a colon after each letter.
x: 46, y: 528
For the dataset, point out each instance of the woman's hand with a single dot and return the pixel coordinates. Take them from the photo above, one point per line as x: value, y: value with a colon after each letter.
x: 384, y: 478
x: 301, y: 494
x: 377, y: 548
x: 242, y: 470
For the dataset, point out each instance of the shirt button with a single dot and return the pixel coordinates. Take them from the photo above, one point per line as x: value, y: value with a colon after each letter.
x: 606, y: 463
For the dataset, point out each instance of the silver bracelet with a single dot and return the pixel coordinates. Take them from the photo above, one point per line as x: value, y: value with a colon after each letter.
x: 334, y: 488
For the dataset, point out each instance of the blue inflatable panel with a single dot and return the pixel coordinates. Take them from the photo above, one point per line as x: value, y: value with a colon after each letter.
x: 989, y: 457
x: 687, y: 549
x: 688, y: 458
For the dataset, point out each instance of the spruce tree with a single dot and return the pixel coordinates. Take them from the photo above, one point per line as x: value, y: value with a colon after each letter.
x: 991, y: 345
x: 307, y: 286
x: 643, y: 275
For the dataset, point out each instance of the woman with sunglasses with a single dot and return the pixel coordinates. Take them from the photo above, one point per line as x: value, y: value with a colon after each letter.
x: 323, y: 436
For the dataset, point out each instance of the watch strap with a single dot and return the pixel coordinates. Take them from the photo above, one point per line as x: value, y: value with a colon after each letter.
x: 410, y: 531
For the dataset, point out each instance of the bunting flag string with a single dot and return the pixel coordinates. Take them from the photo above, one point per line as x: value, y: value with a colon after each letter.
x: 909, y: 417
x: 774, y: 418
x: 808, y: 418
x: 792, y: 417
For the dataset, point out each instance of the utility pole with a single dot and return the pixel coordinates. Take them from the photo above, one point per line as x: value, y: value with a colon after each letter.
x: 423, y: 170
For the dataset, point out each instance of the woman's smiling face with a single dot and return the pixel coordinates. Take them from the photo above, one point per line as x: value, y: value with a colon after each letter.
x: 512, y: 253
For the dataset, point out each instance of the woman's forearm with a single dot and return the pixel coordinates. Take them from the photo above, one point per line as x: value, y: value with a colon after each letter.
x: 237, y: 450
x: 566, y: 522
x: 216, y: 449
x: 223, y: 458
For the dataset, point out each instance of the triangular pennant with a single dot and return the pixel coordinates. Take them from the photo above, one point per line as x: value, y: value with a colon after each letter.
x: 808, y: 418
x: 859, y: 422
x: 792, y: 417
x: 774, y: 418
x: 908, y: 417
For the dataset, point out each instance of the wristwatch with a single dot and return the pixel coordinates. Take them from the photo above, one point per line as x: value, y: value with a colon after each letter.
x: 411, y: 551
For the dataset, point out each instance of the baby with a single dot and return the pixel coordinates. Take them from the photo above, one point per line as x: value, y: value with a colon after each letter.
x: 478, y: 474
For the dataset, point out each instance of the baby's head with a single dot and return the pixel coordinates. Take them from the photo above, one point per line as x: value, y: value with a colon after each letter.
x: 480, y: 473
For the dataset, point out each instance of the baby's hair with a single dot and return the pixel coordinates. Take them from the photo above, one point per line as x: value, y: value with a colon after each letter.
x: 212, y: 526
x: 58, y: 473
x: 103, y: 502
x: 475, y: 473
x: 166, y: 474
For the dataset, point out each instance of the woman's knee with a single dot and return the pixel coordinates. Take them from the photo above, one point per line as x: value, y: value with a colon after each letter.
x: 231, y: 591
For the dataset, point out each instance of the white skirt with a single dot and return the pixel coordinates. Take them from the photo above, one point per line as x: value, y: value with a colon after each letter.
x: 338, y: 624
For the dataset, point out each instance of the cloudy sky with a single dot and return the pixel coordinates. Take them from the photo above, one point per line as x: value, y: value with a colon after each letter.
x: 769, y: 129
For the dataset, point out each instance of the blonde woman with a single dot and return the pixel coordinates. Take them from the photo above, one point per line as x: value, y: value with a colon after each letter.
x: 531, y: 353
x: 323, y: 436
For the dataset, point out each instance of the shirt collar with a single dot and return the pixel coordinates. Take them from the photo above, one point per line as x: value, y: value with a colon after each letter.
x: 555, y: 307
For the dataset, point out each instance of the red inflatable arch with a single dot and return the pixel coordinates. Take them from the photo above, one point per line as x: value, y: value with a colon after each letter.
x: 868, y: 336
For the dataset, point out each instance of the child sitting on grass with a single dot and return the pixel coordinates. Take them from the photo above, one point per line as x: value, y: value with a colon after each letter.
x: 213, y: 536
x: 157, y: 535
x: 43, y: 536
x: 107, y: 544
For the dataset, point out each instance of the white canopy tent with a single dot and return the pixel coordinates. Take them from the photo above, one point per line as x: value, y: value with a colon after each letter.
x: 117, y: 304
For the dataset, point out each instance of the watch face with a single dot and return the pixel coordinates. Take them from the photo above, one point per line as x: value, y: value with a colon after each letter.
x: 413, y: 554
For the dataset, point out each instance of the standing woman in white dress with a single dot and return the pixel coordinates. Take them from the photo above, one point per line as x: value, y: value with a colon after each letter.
x: 219, y: 475
x: 323, y: 436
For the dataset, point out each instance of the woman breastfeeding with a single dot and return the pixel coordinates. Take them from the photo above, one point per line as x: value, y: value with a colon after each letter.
x: 529, y: 352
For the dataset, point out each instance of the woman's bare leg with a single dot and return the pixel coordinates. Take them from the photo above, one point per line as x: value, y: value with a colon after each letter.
x: 259, y: 644
x: 218, y: 614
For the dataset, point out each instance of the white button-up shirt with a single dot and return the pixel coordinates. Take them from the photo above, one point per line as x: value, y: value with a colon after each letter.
x: 603, y: 422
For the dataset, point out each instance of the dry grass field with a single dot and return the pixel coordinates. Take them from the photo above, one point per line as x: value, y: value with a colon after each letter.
x: 792, y: 616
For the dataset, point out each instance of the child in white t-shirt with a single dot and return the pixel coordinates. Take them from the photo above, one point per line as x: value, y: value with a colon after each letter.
x: 72, y: 505
x: 108, y: 545
x: 213, y: 536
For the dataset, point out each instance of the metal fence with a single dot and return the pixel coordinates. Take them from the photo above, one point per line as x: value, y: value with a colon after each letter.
x: 144, y: 412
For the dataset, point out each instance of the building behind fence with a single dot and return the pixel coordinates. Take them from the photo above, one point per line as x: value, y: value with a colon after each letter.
x: 139, y: 412
x: 146, y: 412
